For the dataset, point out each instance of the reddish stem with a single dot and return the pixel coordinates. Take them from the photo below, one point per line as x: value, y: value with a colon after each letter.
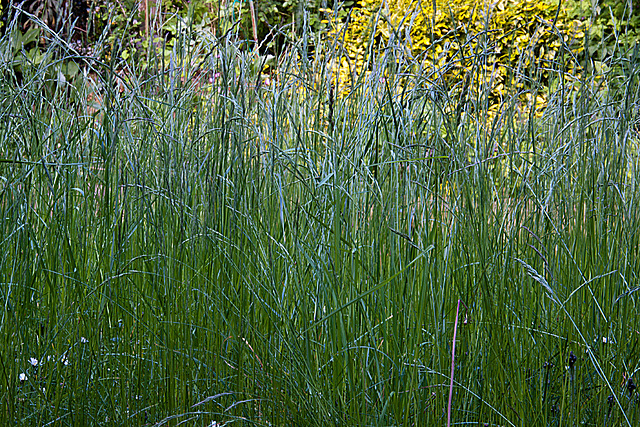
x: 453, y: 361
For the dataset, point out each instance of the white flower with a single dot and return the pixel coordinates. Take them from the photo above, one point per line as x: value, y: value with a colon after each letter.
x: 33, y: 361
x: 83, y: 339
x: 22, y: 377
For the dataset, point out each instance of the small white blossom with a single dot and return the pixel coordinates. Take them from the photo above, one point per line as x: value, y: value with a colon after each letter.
x: 33, y: 361
x: 22, y: 377
x: 83, y: 340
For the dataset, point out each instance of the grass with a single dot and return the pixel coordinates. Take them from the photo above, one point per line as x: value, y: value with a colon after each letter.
x: 175, y: 251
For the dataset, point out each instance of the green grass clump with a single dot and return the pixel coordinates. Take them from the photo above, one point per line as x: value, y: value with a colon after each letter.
x: 202, y: 246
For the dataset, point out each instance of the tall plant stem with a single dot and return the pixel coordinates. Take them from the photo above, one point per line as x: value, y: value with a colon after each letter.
x: 453, y: 361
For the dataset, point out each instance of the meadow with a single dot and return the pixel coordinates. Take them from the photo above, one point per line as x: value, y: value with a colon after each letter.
x: 209, y: 244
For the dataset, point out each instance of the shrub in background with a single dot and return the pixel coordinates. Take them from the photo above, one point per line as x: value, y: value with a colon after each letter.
x: 515, y: 40
x: 612, y: 24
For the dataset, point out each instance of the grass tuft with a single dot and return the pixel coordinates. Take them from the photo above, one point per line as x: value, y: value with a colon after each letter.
x: 205, y: 243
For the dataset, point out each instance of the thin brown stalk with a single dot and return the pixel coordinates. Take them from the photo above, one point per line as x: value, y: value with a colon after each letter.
x: 453, y: 361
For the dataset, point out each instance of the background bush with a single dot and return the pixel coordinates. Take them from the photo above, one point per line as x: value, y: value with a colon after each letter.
x: 515, y: 40
x: 437, y: 30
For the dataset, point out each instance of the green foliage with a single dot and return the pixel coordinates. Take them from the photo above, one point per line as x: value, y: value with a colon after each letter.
x: 137, y: 30
x: 612, y: 24
x: 21, y: 49
x: 183, y: 250
x: 207, y: 246
x: 23, y: 60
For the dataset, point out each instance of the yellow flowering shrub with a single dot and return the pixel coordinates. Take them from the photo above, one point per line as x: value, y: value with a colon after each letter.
x: 497, y: 45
